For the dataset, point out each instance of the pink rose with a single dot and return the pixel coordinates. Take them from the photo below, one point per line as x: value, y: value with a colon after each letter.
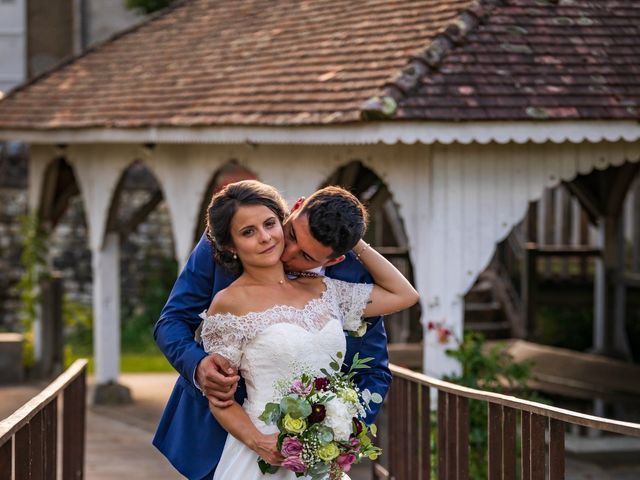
x: 298, y: 388
x: 291, y: 447
x: 295, y: 464
x: 345, y: 460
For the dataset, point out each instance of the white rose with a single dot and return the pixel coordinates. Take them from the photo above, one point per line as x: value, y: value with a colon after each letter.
x: 339, y: 418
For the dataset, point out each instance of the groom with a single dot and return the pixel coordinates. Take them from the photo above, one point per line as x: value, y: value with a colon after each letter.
x: 319, y: 234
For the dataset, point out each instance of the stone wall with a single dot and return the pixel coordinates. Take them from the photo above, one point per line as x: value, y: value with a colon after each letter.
x: 146, y: 252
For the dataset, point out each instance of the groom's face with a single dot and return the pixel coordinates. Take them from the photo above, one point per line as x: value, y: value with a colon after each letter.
x: 302, y: 251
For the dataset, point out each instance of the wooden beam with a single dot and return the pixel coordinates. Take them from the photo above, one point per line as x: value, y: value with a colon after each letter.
x: 565, y: 250
x: 140, y: 215
x: 63, y: 197
x: 580, y: 189
x: 618, y: 186
x: 635, y: 228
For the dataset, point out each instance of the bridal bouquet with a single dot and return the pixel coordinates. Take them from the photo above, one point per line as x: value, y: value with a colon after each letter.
x: 319, y: 418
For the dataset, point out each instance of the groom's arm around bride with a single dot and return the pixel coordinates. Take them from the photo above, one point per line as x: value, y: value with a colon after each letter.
x: 188, y: 435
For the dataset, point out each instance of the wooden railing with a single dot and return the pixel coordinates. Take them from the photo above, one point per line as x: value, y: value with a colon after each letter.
x: 408, y: 431
x: 29, y: 437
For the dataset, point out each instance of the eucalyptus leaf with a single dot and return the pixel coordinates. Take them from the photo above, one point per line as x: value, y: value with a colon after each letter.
x: 376, y: 398
x: 319, y: 470
x: 271, y: 413
x: 324, y: 434
x: 295, y: 407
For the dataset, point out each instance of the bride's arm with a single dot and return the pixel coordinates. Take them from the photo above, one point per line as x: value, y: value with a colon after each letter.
x: 236, y: 421
x: 233, y: 418
x: 392, y: 291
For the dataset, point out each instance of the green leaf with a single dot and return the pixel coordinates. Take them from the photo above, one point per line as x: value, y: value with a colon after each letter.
x: 376, y: 397
x: 295, y: 407
x: 266, y: 467
x: 319, y: 470
x: 271, y: 413
x: 325, y: 434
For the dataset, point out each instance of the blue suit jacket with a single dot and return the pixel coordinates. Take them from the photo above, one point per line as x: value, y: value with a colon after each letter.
x: 188, y: 434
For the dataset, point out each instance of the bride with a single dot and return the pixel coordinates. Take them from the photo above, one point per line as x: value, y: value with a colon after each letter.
x: 266, y: 324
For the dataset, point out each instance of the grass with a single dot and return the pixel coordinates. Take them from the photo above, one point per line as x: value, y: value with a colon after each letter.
x: 130, y: 362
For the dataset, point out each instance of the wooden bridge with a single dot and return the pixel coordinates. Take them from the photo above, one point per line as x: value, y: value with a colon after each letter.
x: 417, y: 448
x: 29, y: 438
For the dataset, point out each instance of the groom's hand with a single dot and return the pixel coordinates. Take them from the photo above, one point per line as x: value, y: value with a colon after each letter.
x: 217, y: 379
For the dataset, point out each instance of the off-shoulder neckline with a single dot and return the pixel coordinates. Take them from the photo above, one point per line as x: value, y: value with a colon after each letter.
x: 292, y: 308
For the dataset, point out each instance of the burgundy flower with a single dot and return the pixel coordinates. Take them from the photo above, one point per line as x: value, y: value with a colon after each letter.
x: 318, y: 412
x: 321, y: 383
x: 357, y: 426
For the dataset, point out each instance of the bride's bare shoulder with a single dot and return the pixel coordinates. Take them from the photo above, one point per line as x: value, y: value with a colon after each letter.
x: 228, y: 300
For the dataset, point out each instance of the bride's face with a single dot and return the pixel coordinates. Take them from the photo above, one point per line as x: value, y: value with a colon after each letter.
x: 257, y: 235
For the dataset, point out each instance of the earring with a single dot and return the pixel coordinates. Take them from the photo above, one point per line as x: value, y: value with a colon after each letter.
x: 235, y: 257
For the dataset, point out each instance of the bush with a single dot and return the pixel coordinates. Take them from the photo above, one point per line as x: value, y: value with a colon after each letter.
x: 565, y: 327
x: 141, y: 312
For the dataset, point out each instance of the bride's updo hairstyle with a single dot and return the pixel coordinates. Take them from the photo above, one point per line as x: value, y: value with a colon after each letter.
x: 223, y: 207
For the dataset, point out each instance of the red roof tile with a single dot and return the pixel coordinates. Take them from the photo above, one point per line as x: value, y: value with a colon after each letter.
x: 534, y: 59
x: 294, y: 62
x: 224, y: 62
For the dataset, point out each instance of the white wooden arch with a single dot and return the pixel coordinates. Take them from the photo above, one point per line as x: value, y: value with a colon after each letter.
x: 473, y: 197
x: 457, y: 201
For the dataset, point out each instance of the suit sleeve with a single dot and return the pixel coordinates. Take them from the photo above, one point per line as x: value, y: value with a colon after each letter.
x: 374, y: 342
x: 191, y: 294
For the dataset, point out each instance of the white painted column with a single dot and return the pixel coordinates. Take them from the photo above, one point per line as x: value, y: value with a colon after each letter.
x: 106, y: 308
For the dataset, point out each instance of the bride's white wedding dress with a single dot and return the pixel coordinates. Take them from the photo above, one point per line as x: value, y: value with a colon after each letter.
x: 269, y: 346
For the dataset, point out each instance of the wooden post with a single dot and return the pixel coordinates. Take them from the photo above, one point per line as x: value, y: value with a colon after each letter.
x: 51, y: 361
x: 635, y: 228
x: 562, y: 225
x: 529, y: 288
x: 609, y: 334
x: 106, y: 333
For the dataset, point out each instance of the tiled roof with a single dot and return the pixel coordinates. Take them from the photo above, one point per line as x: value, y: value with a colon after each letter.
x: 235, y: 62
x: 530, y: 60
x: 294, y: 62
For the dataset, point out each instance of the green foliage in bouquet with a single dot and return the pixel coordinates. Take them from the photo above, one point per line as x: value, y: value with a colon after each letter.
x: 319, y: 419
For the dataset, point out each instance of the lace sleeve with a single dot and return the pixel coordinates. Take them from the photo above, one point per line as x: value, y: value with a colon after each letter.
x: 220, y: 335
x: 352, y: 299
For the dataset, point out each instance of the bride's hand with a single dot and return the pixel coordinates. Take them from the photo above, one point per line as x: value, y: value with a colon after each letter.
x: 266, y: 447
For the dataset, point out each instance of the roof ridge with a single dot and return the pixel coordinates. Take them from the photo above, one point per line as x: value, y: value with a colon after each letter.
x: 96, y: 46
x: 385, y: 106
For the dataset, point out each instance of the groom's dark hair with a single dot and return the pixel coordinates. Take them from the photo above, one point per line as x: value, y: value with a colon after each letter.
x: 337, y: 219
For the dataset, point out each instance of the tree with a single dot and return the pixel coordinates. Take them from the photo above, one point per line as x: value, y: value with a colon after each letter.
x: 147, y: 6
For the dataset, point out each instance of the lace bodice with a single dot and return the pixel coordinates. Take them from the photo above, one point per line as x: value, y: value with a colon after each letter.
x: 264, y: 345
